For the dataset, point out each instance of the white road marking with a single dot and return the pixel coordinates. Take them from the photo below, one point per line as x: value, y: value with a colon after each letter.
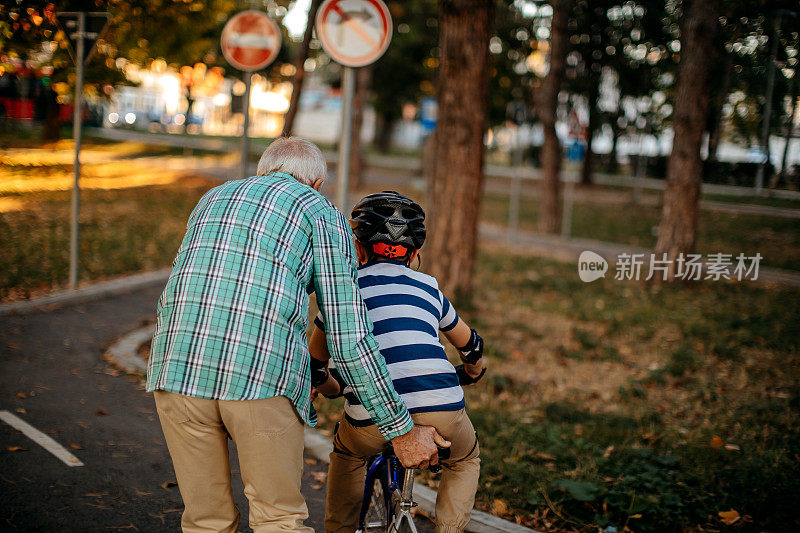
x: 40, y: 438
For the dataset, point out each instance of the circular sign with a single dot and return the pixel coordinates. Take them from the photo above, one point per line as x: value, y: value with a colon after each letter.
x: 250, y: 40
x: 354, y: 33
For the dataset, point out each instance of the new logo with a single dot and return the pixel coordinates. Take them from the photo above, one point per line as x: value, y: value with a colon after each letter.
x: 591, y: 266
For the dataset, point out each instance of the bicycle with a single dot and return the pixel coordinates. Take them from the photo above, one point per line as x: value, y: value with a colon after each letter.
x: 387, y: 502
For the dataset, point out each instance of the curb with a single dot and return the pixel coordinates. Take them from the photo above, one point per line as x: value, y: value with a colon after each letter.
x: 91, y: 292
x: 124, y: 354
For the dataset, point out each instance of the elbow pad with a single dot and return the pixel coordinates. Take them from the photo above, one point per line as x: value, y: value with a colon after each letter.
x: 466, y: 379
x: 473, y: 350
x: 319, y: 372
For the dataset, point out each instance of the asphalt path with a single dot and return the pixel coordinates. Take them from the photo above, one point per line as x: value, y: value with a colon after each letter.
x: 54, y: 378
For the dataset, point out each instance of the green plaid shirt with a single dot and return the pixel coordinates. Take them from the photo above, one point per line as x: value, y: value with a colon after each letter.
x: 232, y: 320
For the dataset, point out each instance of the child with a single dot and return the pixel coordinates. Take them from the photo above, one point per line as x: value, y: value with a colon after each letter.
x: 407, y: 310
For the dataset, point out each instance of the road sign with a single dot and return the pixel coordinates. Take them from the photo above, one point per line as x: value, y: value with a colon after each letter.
x: 354, y: 33
x: 250, y: 40
x: 94, y: 26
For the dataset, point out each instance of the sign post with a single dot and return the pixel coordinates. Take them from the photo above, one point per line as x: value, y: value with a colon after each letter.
x: 250, y: 41
x: 354, y: 33
x: 84, y: 28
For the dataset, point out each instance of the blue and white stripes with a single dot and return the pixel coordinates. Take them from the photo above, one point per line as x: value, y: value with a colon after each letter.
x: 408, y: 310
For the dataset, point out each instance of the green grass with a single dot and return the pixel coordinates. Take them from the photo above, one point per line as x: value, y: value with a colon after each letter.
x: 776, y: 239
x: 121, y: 231
x: 645, y: 458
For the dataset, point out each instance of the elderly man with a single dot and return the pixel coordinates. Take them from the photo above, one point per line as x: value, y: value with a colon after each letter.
x: 229, y: 355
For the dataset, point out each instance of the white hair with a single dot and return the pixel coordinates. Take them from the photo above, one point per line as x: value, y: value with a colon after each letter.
x: 296, y: 156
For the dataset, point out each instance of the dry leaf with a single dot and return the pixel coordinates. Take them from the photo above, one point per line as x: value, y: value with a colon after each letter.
x: 101, y: 412
x: 717, y: 442
x: 316, y: 487
x: 544, y: 456
x: 167, y: 485
x: 16, y: 449
x: 141, y: 492
x: 172, y: 511
x: 310, y: 461
x: 732, y: 447
x: 319, y: 477
x: 729, y: 517
x: 21, y: 395
x: 92, y: 495
x: 21, y: 410
x: 499, y: 507
x: 608, y: 451
x: 76, y: 446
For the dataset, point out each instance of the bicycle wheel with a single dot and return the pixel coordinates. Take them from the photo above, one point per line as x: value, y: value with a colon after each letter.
x: 378, y: 514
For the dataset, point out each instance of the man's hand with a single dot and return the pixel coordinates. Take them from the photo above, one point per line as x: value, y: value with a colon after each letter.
x: 417, y: 448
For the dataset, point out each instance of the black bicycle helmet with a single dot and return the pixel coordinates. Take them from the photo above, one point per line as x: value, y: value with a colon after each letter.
x: 389, y: 218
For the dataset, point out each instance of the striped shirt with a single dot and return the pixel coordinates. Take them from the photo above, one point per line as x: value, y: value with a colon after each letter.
x: 232, y: 320
x: 408, y: 310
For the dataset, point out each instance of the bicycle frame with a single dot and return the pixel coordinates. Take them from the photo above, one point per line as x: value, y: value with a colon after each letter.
x: 397, y: 496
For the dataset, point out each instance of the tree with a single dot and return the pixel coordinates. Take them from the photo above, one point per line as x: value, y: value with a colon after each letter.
x: 299, y: 70
x: 462, y: 93
x: 546, y: 107
x: 678, y: 225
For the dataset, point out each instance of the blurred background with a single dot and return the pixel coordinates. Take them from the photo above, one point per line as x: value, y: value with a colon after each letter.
x: 613, y: 405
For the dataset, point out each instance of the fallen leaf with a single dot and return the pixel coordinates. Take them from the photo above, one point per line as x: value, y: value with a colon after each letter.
x: 141, y: 492
x: 129, y: 526
x: 21, y: 410
x: 729, y: 517
x: 16, y: 449
x: 167, y: 485
x: 93, y: 495
x: 608, y: 451
x: 101, y: 412
x: 76, y: 446
x: 319, y: 477
x: 310, y: 461
x: 172, y: 511
x: 21, y: 395
x: 316, y: 487
x: 717, y: 442
x: 499, y: 507
x: 544, y: 456
x: 732, y: 447
x: 637, y: 515
x: 82, y: 424
x: 159, y: 516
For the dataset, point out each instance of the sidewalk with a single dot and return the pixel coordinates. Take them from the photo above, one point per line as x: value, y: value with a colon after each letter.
x: 568, y: 249
x: 411, y: 165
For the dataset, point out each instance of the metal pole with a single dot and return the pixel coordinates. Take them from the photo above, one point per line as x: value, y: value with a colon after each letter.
x: 637, y: 175
x: 515, y: 190
x: 569, y: 198
x: 768, y: 105
x: 345, y: 142
x: 76, y: 134
x: 248, y: 77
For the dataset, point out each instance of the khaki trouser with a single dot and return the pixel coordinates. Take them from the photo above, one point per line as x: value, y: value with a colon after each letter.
x: 269, y: 440
x: 347, y: 472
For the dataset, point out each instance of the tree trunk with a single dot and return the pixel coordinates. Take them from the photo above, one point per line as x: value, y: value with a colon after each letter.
x: 363, y: 84
x: 51, y: 132
x: 546, y: 107
x: 588, y: 160
x: 678, y: 226
x: 383, y: 137
x: 465, y: 27
x: 299, y: 70
x: 715, y: 115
